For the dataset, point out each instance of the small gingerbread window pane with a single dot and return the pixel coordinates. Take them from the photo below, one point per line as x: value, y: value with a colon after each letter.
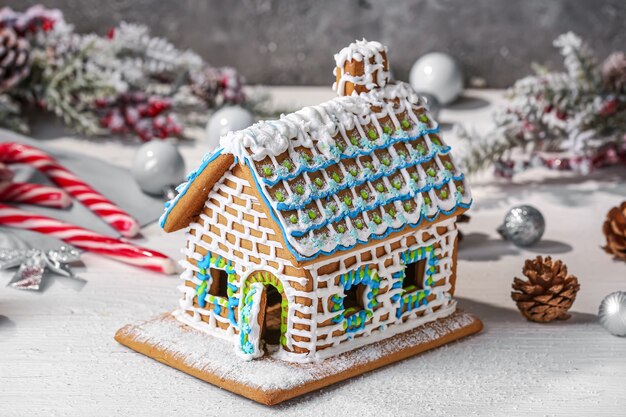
x: 219, y: 283
x: 353, y: 299
x: 414, y: 276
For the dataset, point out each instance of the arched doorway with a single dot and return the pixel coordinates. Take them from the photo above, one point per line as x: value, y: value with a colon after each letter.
x: 263, y: 314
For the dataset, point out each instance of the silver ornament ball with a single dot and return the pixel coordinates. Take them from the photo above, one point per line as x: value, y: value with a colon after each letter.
x: 612, y: 313
x: 439, y: 74
x: 523, y: 225
x: 157, y: 167
x: 224, y: 120
x: 432, y: 104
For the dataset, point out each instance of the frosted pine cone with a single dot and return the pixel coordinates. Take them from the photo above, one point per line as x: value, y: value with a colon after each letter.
x: 614, y: 72
x: 217, y: 86
x: 614, y: 229
x: 14, y: 59
x: 549, y: 292
x: 206, y: 86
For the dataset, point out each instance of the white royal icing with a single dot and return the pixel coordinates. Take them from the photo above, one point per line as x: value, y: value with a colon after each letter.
x: 361, y: 51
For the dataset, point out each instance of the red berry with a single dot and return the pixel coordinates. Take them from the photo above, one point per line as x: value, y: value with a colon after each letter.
x: 608, y: 108
x: 47, y: 25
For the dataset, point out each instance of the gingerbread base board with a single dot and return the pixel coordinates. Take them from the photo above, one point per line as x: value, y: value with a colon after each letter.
x: 268, y: 380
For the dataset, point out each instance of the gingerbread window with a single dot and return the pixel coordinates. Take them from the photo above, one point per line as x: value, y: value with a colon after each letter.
x: 353, y: 299
x: 219, y: 282
x: 414, y: 276
x: 419, y: 268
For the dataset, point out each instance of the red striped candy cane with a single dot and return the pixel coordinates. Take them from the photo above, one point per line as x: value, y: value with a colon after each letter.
x: 120, y: 220
x: 87, y: 240
x: 41, y: 195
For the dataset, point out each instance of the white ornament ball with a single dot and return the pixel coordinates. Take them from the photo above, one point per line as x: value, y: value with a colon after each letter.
x: 612, y: 313
x: 227, y: 119
x: 438, y: 74
x: 157, y: 167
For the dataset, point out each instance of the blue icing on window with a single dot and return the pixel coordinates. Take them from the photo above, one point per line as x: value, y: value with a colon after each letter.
x: 232, y: 300
x: 356, y: 321
x: 415, y: 299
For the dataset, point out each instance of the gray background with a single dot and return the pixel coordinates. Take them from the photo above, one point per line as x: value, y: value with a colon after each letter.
x: 292, y: 42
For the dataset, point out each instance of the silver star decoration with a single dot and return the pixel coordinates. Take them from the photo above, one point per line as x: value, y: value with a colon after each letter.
x: 32, y: 264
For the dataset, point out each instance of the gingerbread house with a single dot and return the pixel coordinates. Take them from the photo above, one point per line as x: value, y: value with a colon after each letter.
x: 325, y: 230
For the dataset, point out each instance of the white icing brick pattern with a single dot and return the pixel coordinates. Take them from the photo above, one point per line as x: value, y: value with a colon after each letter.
x: 306, y: 326
x: 240, y: 263
x: 348, y: 341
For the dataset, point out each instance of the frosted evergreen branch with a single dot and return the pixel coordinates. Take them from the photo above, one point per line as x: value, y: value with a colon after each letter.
x: 563, y: 112
x: 481, y: 150
x: 72, y: 74
x: 141, y: 58
x: 72, y: 89
x: 10, y: 115
x: 579, y: 60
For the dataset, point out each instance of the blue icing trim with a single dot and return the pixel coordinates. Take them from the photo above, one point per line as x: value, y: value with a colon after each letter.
x: 184, y: 187
x: 378, y: 237
x: 355, y: 151
x: 354, y: 213
x: 232, y: 300
x: 416, y: 298
x: 356, y: 321
x: 299, y: 257
x: 350, y: 182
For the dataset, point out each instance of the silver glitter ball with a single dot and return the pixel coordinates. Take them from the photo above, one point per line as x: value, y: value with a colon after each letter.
x: 157, y: 167
x: 432, y: 104
x: 612, y: 313
x: 523, y: 225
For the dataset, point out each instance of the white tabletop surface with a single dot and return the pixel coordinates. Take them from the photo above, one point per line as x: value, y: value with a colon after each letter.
x: 58, y: 356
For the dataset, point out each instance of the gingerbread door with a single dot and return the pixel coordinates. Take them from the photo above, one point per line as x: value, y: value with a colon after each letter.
x: 263, y: 314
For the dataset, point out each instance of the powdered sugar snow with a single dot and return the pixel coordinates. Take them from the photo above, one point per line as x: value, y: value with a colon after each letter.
x: 203, y: 352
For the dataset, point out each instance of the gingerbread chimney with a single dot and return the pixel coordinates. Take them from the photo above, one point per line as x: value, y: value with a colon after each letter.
x: 361, y: 67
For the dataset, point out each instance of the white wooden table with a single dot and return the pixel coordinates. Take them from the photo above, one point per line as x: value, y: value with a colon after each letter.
x: 58, y: 356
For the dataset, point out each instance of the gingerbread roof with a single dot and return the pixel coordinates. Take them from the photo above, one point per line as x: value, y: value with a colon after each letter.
x: 346, y: 172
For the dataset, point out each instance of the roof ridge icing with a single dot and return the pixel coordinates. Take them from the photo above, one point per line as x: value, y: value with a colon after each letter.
x: 319, y: 123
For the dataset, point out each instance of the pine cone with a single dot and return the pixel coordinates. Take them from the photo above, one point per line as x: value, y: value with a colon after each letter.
x: 548, y: 293
x: 218, y: 86
x: 14, y: 59
x: 206, y: 85
x: 614, y: 229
